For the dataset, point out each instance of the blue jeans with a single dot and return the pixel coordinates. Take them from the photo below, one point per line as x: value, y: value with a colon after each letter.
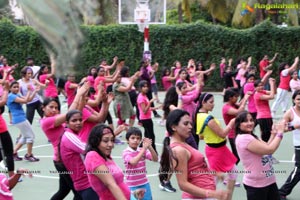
x: 148, y: 194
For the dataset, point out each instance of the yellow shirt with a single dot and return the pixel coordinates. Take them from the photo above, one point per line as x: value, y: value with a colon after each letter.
x: 210, y: 137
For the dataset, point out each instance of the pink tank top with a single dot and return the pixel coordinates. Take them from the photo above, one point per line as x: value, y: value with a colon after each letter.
x: 198, y: 172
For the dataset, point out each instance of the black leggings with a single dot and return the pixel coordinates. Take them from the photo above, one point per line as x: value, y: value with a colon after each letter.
x: 149, y: 132
x: 65, y: 183
x: 265, y: 125
x: 269, y: 192
x: 8, y: 151
x: 30, y: 110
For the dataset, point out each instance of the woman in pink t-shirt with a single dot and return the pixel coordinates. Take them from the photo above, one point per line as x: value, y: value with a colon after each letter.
x: 104, y: 175
x: 194, y: 177
x: 70, y: 88
x: 259, y: 178
x: 53, y: 125
x: 230, y: 110
x: 71, y: 152
x: 168, y: 77
x: 262, y: 98
x: 144, y: 106
x: 44, y: 74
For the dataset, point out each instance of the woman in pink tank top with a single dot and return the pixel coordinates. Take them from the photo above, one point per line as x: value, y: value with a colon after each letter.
x: 194, y: 177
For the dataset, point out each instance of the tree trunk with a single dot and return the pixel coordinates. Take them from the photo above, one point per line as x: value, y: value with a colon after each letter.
x: 180, y: 19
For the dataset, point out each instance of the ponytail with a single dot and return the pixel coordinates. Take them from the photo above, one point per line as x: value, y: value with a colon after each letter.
x: 166, y: 163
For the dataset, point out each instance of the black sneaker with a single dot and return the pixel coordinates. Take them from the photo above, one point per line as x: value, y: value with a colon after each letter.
x: 167, y: 187
x: 16, y: 157
x: 157, y: 115
x: 282, y: 197
x: 31, y: 158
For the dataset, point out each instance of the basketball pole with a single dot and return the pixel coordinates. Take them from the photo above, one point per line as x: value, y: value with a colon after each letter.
x: 146, y: 38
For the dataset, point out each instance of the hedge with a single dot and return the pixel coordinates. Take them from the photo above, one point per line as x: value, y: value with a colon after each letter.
x: 168, y: 43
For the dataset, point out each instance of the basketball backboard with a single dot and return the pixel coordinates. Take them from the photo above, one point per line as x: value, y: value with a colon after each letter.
x: 150, y: 11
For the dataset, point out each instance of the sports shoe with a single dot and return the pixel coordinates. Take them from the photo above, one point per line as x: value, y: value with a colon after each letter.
x: 16, y: 157
x: 118, y: 141
x: 31, y: 158
x: 282, y: 197
x: 167, y: 187
x: 157, y: 115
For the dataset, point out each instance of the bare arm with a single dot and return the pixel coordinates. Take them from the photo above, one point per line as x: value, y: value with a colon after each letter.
x: 182, y: 170
x: 262, y: 148
x: 273, y: 59
x: 108, y: 180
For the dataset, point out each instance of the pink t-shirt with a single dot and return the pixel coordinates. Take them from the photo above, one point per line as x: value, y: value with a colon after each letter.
x: 241, y: 75
x: 135, y: 175
x: 70, y: 93
x: 198, y: 172
x: 87, y: 126
x: 91, y: 80
x: 262, y: 106
x: 176, y: 71
x: 3, y: 126
x: 294, y: 84
x: 9, y: 78
x: 53, y: 133
x: 166, y: 83
x: 251, y: 104
x: 98, y: 80
x: 228, y: 117
x: 188, y: 103
x: 285, y: 78
x: 94, y: 160
x: 5, y: 193
x: 50, y: 90
x: 258, y: 169
x: 71, y: 149
x: 143, y: 99
x: 222, y: 68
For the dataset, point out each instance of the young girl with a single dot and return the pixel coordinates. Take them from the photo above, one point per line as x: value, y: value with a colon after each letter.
x: 259, y: 181
x: 14, y: 103
x: 134, y: 158
x: 71, y: 151
x: 145, y: 111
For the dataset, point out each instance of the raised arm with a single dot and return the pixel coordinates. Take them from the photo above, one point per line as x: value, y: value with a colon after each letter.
x: 262, y: 148
x: 273, y: 59
x: 271, y: 94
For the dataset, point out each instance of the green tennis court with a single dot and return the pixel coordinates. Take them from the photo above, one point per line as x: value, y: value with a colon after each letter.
x: 45, y: 181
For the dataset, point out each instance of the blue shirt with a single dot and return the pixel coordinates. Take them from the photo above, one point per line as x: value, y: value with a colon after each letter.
x: 17, y: 112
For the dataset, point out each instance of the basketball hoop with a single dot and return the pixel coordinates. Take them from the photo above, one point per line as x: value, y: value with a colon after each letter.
x: 141, y: 25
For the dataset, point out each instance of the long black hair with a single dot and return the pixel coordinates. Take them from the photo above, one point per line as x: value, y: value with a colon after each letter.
x: 203, y: 98
x: 171, y: 98
x: 166, y: 162
x: 95, y: 138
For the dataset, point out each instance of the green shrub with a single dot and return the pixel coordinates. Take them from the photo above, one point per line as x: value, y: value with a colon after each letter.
x: 201, y: 41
